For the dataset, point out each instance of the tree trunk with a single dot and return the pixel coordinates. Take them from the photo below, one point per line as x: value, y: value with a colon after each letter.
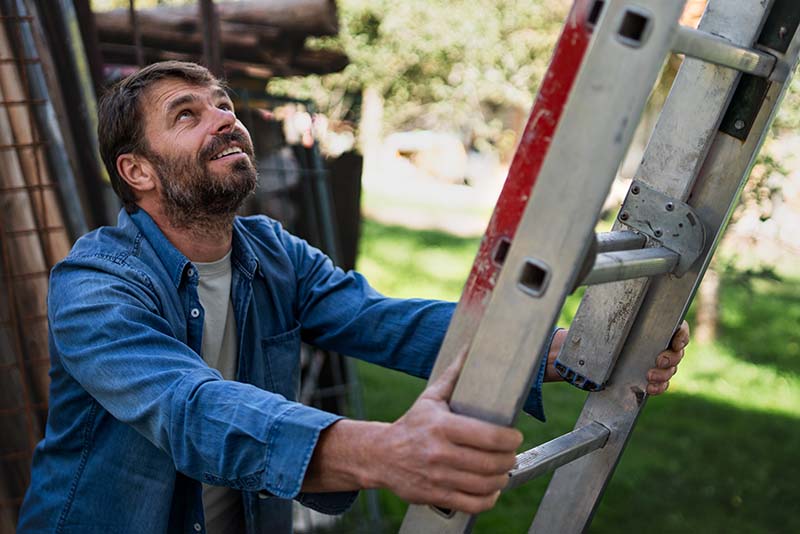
x: 705, y: 330
x: 371, y: 130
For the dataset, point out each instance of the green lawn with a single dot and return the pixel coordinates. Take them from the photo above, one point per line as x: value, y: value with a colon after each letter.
x: 718, y: 453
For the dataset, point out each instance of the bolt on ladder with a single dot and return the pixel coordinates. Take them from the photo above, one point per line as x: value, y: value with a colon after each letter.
x: 540, y: 244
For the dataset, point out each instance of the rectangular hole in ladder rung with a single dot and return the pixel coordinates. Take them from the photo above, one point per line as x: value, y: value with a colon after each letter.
x: 534, y: 277
x: 447, y: 513
x: 501, y: 251
x: 595, y: 12
x: 634, y: 28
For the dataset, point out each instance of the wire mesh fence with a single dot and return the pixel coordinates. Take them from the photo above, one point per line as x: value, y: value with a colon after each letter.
x: 32, y: 238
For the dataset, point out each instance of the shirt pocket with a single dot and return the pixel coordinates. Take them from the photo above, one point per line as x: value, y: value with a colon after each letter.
x: 282, y: 362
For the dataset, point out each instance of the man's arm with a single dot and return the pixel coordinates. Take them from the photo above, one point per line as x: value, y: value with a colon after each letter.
x: 428, y: 456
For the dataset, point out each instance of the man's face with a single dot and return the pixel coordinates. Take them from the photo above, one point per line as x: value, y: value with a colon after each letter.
x: 202, y: 154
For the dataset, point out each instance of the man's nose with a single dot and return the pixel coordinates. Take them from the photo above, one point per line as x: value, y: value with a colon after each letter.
x: 224, y: 120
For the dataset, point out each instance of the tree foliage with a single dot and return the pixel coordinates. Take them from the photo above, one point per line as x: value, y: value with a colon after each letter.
x: 454, y: 65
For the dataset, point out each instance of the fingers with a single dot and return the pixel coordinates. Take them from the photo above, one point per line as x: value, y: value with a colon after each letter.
x: 657, y: 376
x: 475, y: 461
x: 443, y: 386
x: 479, y: 434
x: 657, y: 389
x: 681, y: 337
x: 463, y: 502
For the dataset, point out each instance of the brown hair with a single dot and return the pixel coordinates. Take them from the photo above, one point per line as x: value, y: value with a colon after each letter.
x: 120, y: 127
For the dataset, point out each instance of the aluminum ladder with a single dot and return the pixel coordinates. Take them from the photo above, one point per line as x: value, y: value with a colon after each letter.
x: 541, y: 243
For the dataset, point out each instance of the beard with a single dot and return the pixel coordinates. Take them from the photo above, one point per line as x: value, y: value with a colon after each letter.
x: 193, y: 196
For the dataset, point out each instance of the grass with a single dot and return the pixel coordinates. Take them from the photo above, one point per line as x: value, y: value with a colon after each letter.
x: 716, y: 454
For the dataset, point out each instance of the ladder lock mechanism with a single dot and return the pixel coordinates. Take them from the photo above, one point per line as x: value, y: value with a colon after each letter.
x: 670, y: 222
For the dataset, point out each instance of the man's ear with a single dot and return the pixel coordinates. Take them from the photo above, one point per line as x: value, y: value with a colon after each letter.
x: 137, y: 172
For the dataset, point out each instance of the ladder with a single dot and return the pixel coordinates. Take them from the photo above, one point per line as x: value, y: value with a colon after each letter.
x: 540, y: 243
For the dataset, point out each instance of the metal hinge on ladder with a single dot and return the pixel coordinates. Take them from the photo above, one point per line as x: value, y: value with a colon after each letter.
x: 644, y: 272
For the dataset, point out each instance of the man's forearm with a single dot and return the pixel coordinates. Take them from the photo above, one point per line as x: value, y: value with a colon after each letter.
x: 343, y: 459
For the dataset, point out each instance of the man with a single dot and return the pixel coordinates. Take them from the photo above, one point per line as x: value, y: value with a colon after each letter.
x: 174, y: 344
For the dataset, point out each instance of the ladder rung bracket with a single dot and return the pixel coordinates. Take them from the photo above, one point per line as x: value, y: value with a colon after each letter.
x: 713, y: 49
x: 627, y: 264
x: 557, y: 452
x: 666, y: 220
x: 619, y: 240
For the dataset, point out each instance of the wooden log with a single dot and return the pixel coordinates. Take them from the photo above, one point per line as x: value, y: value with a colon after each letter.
x: 262, y: 64
x: 234, y: 35
x: 302, y: 17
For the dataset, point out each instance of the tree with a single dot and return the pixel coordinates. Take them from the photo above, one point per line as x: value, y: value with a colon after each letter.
x: 456, y: 65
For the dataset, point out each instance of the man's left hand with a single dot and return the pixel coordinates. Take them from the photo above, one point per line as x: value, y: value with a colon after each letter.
x: 658, y: 377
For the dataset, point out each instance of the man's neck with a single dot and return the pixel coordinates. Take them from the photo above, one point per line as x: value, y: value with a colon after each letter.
x: 205, y: 241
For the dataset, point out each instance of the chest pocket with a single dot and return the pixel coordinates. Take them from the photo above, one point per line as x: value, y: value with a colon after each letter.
x: 282, y: 361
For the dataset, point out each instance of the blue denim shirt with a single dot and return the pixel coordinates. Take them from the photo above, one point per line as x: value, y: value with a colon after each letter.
x: 137, y: 419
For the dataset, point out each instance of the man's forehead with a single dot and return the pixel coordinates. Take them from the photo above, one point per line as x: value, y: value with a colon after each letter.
x: 162, y: 93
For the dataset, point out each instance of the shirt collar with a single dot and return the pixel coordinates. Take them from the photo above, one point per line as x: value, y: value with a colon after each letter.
x: 175, y: 262
x: 172, y: 258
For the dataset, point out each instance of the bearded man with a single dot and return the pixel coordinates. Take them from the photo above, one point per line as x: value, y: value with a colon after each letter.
x: 175, y: 340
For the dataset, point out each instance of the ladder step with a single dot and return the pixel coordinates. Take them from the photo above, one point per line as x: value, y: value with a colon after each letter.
x: 627, y: 264
x: 709, y: 47
x: 557, y: 452
x: 619, y: 240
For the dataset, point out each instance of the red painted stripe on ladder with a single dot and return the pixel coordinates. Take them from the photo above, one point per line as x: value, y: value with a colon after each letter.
x: 553, y: 93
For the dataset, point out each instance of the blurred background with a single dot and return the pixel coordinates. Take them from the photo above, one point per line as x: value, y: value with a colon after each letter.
x: 384, y: 131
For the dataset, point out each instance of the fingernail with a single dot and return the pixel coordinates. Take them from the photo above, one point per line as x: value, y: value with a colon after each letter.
x: 663, y: 362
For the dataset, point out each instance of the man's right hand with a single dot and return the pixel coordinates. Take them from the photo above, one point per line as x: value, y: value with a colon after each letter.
x: 433, y: 456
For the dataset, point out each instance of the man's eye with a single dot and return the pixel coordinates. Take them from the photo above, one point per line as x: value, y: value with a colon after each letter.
x: 185, y: 114
x: 226, y: 107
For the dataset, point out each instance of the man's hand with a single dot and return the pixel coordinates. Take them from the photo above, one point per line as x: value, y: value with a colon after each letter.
x: 428, y: 456
x: 433, y: 456
x: 666, y: 363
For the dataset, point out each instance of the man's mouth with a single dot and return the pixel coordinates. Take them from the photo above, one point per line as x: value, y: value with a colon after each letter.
x: 227, y: 152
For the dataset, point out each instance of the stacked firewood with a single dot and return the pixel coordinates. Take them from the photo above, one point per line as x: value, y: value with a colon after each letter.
x: 259, y: 39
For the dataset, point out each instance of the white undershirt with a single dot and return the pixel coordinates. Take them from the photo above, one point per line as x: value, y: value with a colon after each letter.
x: 222, y: 505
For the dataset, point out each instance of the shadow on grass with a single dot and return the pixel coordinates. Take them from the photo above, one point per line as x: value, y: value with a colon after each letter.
x: 693, y: 465
x: 760, y: 321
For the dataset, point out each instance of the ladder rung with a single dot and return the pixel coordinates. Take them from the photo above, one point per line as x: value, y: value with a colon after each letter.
x: 619, y: 240
x: 557, y: 452
x: 709, y: 47
x: 627, y: 264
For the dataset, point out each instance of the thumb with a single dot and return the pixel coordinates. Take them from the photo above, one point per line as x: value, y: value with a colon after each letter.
x: 442, y: 387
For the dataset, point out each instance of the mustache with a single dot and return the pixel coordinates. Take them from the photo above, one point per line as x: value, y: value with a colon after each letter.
x: 224, y: 140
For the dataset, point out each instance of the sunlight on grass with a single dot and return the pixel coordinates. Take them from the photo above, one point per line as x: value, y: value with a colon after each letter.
x: 711, y: 371
x: 716, y: 454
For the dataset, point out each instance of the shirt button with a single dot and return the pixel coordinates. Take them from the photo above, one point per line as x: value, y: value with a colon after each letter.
x: 190, y: 272
x: 195, y: 313
x: 198, y: 527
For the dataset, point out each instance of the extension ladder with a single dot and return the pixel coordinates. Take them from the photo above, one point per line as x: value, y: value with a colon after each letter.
x: 540, y: 243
